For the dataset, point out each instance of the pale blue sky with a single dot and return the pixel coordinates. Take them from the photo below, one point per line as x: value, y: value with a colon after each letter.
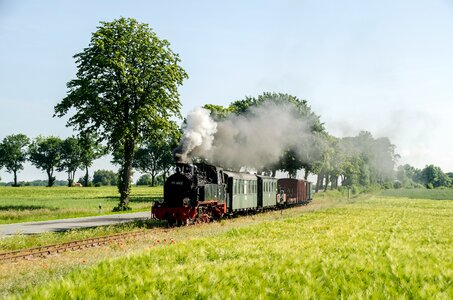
x: 382, y: 66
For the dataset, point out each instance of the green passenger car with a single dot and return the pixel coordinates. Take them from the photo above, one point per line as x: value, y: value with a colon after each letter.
x: 267, y: 191
x: 242, y: 191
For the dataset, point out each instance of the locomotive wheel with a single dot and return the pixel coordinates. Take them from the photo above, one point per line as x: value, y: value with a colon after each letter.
x: 170, y: 219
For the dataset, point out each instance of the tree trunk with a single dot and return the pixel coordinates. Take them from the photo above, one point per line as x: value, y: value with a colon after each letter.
x: 71, y: 175
x: 15, y: 177
x: 50, y: 179
x: 334, y: 182
x: 86, y: 177
x: 319, y: 181
x: 306, y: 174
x: 124, y: 185
x: 153, y: 176
x: 70, y: 180
x: 327, y: 183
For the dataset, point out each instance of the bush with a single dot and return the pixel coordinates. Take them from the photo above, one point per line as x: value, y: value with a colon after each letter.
x: 144, y: 180
x: 397, y: 185
x: 387, y: 185
x: 105, y: 177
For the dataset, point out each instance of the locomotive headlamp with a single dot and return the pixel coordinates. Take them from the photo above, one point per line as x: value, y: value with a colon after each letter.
x: 186, y: 201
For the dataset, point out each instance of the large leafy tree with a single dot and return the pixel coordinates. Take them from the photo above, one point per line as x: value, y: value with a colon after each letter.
x: 105, y: 177
x: 92, y: 150
x: 433, y: 176
x: 295, y: 157
x: 71, y: 158
x: 13, y: 153
x: 155, y: 157
x: 126, y: 87
x: 45, y: 154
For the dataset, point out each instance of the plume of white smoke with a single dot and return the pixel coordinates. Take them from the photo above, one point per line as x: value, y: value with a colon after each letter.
x: 198, y: 134
x: 256, y: 139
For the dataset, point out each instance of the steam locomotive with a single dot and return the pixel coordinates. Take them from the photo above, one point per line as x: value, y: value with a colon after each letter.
x: 202, y: 193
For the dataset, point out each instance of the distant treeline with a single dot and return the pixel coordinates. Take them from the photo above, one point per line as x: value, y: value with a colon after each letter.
x: 100, y: 178
x: 359, y: 162
x: 35, y: 183
x: 53, y: 154
x: 430, y: 177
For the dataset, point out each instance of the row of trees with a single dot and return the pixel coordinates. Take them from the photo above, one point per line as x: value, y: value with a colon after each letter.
x: 431, y: 177
x: 49, y: 154
x: 53, y: 154
x: 360, y: 160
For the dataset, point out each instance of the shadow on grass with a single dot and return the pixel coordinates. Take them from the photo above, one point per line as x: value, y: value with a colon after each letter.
x: 25, y: 207
x: 133, y: 198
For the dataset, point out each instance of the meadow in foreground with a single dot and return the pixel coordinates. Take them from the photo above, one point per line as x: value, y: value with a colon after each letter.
x: 375, y: 248
x: 25, y: 204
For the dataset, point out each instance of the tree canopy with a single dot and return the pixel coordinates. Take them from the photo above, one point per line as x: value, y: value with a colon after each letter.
x: 13, y: 153
x: 45, y: 154
x: 71, y: 157
x: 126, y: 89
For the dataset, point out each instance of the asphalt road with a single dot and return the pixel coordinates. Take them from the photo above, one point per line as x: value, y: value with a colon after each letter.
x: 66, y: 224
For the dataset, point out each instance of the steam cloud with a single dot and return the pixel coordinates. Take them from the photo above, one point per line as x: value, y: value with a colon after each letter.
x: 198, y: 134
x: 256, y: 139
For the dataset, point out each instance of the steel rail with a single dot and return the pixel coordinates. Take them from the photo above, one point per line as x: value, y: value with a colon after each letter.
x: 44, y: 251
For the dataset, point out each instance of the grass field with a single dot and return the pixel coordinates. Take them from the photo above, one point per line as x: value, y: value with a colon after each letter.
x: 435, y: 194
x: 24, y: 204
x: 379, y: 247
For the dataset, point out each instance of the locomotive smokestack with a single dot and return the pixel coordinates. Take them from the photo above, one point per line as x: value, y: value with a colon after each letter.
x: 177, y: 155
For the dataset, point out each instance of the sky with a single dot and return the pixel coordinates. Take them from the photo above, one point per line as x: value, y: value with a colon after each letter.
x: 381, y: 66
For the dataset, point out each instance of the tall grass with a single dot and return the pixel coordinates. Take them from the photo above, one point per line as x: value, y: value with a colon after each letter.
x: 434, y: 194
x: 381, y: 248
x: 23, y: 204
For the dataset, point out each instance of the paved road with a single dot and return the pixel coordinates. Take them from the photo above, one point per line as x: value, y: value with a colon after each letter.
x: 66, y: 224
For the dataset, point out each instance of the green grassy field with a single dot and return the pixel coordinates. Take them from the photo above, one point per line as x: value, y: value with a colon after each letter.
x: 24, y: 204
x: 378, y: 247
x: 434, y: 194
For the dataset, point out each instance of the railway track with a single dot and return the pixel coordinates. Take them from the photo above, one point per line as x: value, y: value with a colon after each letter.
x: 63, y: 247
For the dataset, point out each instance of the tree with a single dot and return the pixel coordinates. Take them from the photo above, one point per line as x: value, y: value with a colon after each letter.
x: 144, y: 180
x: 294, y: 157
x: 71, y: 158
x: 45, y: 154
x: 408, y: 175
x: 126, y: 88
x: 105, y: 177
x: 433, y: 176
x: 155, y: 157
x: 91, y: 150
x: 13, y: 153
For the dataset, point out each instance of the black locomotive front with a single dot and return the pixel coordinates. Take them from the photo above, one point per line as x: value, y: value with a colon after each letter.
x: 191, y: 194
